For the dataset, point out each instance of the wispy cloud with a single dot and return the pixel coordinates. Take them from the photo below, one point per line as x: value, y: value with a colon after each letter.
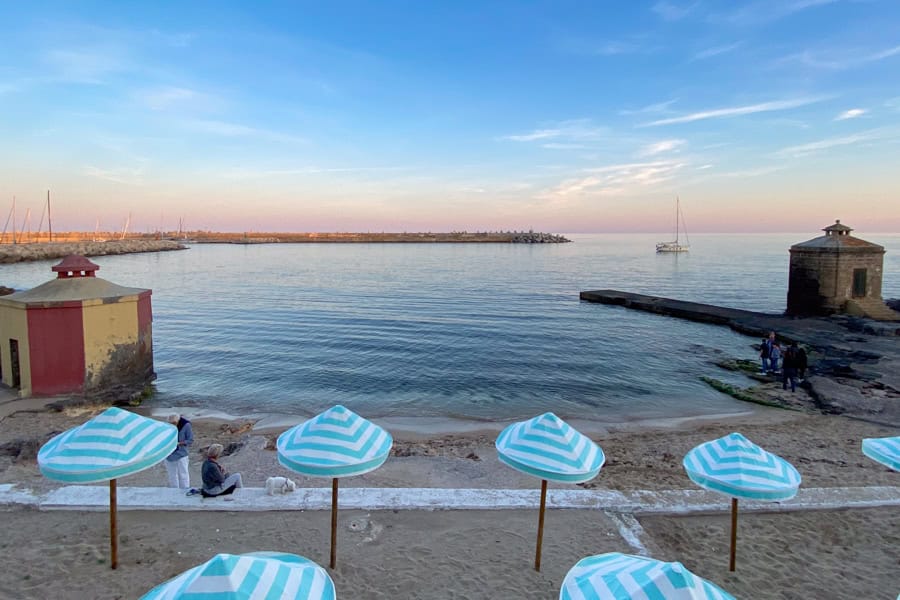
x: 717, y: 50
x: 658, y: 107
x: 736, y: 111
x: 166, y: 97
x: 85, y: 65
x: 558, y: 146
x: 840, y: 59
x: 245, y: 173
x: 828, y: 143
x: 634, y: 44
x: 673, y: 12
x: 126, y: 175
x: 850, y: 114
x: 756, y: 172
x: 615, y: 179
x: 576, y: 129
x: 226, y: 129
x: 660, y: 147
x: 765, y: 11
x: 174, y: 40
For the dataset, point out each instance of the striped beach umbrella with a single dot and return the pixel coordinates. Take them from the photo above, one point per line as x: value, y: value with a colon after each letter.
x: 735, y: 466
x: 616, y: 576
x: 113, y: 444
x: 335, y: 443
x: 253, y: 576
x: 548, y: 448
x: 884, y: 450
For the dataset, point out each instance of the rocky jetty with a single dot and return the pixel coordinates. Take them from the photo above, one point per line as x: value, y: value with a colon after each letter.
x: 13, y: 253
x: 538, y: 238
x: 854, y: 361
x: 453, y: 237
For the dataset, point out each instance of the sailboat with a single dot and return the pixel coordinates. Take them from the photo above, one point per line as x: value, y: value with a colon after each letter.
x: 677, y: 245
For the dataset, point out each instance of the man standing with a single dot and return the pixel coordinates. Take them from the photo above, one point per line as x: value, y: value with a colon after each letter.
x: 177, y: 462
x: 789, y: 367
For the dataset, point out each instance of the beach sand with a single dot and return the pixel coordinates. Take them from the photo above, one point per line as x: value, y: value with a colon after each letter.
x: 452, y: 554
x: 468, y: 554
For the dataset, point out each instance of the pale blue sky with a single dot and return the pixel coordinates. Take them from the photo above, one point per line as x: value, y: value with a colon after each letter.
x: 768, y: 115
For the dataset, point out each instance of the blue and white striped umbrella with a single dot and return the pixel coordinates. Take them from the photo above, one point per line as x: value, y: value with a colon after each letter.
x: 254, y: 576
x: 884, y: 450
x: 113, y: 444
x: 735, y: 466
x: 548, y: 448
x: 616, y: 576
x: 335, y: 443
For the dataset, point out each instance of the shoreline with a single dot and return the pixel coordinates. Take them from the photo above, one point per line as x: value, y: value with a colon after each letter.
x: 423, y: 428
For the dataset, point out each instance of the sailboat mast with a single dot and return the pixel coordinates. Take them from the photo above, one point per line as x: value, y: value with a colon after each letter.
x: 677, y: 207
x: 49, y: 222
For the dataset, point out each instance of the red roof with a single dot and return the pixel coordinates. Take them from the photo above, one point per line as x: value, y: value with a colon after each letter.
x: 75, y: 264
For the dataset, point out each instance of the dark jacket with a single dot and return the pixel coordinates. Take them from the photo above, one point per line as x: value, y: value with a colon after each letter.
x: 791, y: 358
x: 213, y: 474
x: 801, y: 358
x: 766, y: 348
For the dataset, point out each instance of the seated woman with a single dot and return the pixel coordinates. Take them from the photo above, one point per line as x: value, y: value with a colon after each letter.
x: 216, y: 480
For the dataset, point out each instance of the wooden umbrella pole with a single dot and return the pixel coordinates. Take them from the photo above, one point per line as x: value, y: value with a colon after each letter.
x: 334, y: 509
x: 113, y: 530
x: 734, y: 513
x: 540, y: 537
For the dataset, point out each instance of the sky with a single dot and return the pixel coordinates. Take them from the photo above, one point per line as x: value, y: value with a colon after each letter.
x: 559, y: 116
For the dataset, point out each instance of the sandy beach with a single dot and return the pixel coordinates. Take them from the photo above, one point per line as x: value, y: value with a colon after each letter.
x: 469, y: 554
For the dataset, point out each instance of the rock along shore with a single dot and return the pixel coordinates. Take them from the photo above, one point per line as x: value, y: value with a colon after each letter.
x: 14, y: 253
x: 854, y: 362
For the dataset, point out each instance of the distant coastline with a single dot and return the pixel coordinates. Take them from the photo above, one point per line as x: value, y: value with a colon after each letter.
x: 88, y: 244
x: 455, y: 237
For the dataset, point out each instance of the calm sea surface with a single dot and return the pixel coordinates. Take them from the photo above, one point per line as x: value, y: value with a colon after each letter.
x: 479, y: 331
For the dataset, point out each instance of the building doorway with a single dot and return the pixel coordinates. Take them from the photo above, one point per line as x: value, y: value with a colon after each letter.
x: 14, y: 363
x: 859, y: 283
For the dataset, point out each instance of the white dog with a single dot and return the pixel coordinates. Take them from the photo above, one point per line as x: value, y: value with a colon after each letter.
x: 279, y: 485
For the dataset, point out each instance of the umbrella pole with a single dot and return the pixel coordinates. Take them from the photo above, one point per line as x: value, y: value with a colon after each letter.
x: 734, y: 513
x: 540, y: 537
x: 334, y: 508
x: 113, y: 529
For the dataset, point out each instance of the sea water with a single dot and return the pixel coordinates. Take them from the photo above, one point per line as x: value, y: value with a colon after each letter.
x: 476, y: 331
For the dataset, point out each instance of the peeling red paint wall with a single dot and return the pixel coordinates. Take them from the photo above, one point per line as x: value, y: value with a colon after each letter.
x: 56, y: 341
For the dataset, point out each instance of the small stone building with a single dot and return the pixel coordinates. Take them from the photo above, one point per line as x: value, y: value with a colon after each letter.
x: 837, y: 273
x: 77, y: 333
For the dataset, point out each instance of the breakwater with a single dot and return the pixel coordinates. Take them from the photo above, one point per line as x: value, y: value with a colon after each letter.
x: 455, y: 237
x: 15, y: 253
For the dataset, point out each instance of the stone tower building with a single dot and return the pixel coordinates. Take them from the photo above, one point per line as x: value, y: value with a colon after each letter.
x: 837, y: 273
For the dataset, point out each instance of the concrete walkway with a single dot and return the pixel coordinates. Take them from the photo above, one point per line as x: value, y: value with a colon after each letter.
x: 638, y: 502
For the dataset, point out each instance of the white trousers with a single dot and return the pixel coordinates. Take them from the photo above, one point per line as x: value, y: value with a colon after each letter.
x: 178, y: 473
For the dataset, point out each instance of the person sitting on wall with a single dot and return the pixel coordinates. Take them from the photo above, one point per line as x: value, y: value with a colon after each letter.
x: 216, y: 480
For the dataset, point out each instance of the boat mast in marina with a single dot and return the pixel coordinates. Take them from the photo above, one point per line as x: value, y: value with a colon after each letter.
x: 676, y: 246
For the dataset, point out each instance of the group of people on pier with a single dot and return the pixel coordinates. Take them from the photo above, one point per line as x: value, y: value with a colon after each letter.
x: 793, y: 361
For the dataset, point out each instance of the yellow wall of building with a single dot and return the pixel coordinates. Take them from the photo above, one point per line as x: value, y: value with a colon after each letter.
x: 14, y: 325
x: 107, y: 326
